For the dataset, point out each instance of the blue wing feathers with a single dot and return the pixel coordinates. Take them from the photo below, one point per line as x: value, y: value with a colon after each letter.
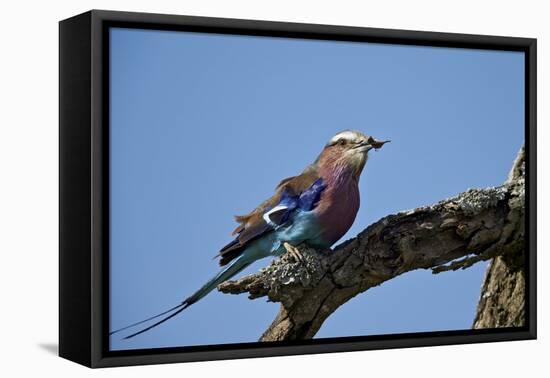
x: 310, y: 197
x: 307, y: 200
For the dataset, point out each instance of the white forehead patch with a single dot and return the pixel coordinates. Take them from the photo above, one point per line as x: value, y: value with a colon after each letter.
x: 348, y: 135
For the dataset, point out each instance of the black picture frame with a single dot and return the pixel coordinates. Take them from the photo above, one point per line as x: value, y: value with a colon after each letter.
x: 84, y: 201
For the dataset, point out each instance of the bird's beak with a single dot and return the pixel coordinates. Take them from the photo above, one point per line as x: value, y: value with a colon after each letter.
x: 377, y: 144
x: 372, y: 143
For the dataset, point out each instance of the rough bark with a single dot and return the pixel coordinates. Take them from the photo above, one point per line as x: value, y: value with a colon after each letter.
x: 502, y: 299
x: 476, y: 225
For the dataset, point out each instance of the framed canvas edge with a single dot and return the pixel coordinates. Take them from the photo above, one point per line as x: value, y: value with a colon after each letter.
x: 75, y: 273
x: 262, y: 351
x: 96, y: 252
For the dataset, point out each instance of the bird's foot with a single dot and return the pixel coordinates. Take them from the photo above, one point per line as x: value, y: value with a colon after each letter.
x: 294, y: 252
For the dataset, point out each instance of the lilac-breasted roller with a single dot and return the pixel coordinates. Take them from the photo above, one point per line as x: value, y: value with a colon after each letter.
x: 316, y: 207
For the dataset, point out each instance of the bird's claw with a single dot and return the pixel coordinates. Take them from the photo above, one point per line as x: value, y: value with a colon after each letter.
x: 294, y: 252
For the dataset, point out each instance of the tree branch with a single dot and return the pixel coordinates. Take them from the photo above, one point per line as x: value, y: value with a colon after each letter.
x: 476, y: 225
x: 502, y: 299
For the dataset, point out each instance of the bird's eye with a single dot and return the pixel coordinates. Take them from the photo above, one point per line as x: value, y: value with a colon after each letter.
x: 341, y: 142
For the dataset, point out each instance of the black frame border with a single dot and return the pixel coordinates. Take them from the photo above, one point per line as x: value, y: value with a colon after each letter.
x: 84, y: 187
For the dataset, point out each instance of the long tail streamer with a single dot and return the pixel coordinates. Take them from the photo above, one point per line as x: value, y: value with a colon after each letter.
x: 237, y: 266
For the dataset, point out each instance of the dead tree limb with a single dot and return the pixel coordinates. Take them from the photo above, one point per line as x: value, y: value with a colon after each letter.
x: 502, y: 299
x: 476, y: 225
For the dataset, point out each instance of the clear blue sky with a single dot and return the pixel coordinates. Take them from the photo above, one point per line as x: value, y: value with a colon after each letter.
x: 204, y: 126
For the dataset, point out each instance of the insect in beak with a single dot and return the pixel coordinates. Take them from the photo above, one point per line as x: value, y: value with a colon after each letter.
x: 377, y: 144
x: 371, y: 143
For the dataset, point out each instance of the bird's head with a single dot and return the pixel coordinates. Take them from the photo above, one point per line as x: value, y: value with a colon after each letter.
x: 349, y: 149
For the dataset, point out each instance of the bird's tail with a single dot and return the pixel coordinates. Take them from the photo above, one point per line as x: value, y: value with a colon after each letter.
x: 231, y: 270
